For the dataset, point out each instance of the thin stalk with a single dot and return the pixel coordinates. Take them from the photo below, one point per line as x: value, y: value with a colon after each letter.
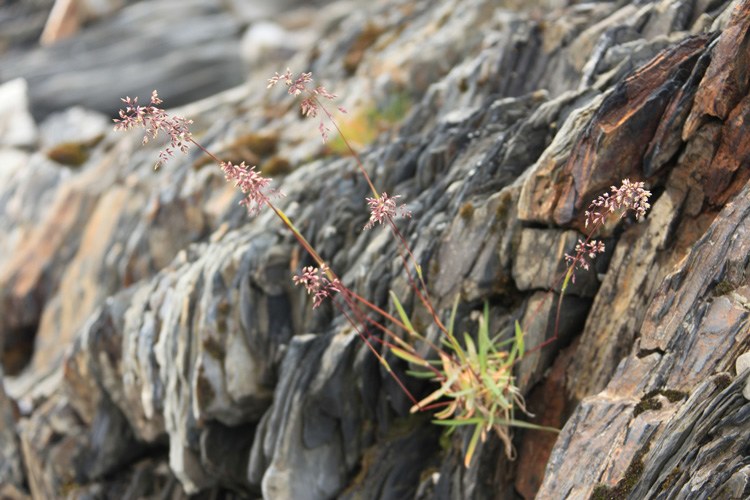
x: 354, y: 154
x: 332, y: 276
x: 424, y: 298
x: 379, y: 357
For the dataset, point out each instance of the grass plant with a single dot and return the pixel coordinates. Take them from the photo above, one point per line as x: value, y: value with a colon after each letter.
x: 473, y: 376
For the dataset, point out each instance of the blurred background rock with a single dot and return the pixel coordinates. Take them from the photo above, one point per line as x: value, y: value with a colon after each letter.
x: 91, y: 52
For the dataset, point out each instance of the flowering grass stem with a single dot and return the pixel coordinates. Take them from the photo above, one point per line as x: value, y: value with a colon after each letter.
x: 475, y: 377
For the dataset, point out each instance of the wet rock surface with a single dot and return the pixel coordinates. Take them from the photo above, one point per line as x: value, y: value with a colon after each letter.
x: 153, y: 343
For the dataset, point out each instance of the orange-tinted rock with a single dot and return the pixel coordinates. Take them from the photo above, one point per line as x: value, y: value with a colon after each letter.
x: 551, y: 407
x: 725, y: 177
x: 726, y: 80
x: 613, y: 144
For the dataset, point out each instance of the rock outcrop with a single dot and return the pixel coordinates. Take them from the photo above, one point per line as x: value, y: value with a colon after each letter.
x: 153, y: 342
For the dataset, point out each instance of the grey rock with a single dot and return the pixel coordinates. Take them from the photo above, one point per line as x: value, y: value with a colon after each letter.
x: 17, y: 127
x: 21, y: 23
x: 683, y: 460
x: 11, y: 464
x: 266, y: 42
x: 183, y: 361
x: 75, y: 125
x: 130, y: 53
x: 314, y: 427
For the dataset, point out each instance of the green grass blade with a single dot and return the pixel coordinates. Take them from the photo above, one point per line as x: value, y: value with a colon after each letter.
x: 452, y: 320
x: 483, y: 338
x: 418, y: 374
x: 451, y: 337
x: 525, y: 425
x: 519, y: 340
x: 407, y: 356
x: 456, y: 422
x: 504, y: 343
x: 568, y: 276
x: 404, y: 317
x: 471, y: 349
x: 497, y: 392
x: 472, y: 445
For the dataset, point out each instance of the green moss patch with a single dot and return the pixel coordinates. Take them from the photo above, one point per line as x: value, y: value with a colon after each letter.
x: 364, y: 125
x: 71, y: 154
x: 625, y: 485
x: 722, y: 288
x: 204, y: 391
x: 276, y: 166
x: 673, y: 396
x: 214, y: 348
x: 670, y: 479
x: 646, y: 405
x: 262, y: 144
x: 651, y: 402
x: 466, y: 211
x: 723, y: 381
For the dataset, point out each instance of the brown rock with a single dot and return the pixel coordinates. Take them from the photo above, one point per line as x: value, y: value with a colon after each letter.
x: 64, y: 21
x: 726, y: 80
x: 683, y: 341
x: 551, y: 407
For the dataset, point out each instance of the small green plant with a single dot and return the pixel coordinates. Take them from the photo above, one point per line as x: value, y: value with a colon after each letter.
x: 477, y: 380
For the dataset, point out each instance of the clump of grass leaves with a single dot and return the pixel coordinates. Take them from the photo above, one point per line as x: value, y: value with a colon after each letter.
x: 477, y: 385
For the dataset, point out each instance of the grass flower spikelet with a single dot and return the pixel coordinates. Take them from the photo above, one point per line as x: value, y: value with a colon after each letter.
x: 310, y: 105
x: 586, y: 251
x: 383, y: 208
x: 253, y: 185
x: 154, y: 119
x: 629, y: 196
x: 316, y: 282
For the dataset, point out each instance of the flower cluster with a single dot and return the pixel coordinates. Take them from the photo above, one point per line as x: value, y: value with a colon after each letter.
x: 317, y: 283
x: 154, y: 119
x: 295, y: 86
x: 629, y: 196
x: 250, y: 182
x: 585, y: 252
x: 310, y: 104
x: 384, y: 207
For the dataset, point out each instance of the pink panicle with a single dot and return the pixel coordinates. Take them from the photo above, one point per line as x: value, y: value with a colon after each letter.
x: 310, y: 104
x: 585, y: 252
x: 154, y: 119
x: 251, y: 183
x: 629, y: 196
x: 383, y: 208
x: 316, y: 282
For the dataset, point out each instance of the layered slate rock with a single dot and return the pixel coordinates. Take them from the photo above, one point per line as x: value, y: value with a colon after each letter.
x: 170, y: 353
x: 660, y: 388
x: 691, y: 325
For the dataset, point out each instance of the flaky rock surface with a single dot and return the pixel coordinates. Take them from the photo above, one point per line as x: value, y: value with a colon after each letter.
x: 153, y: 343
